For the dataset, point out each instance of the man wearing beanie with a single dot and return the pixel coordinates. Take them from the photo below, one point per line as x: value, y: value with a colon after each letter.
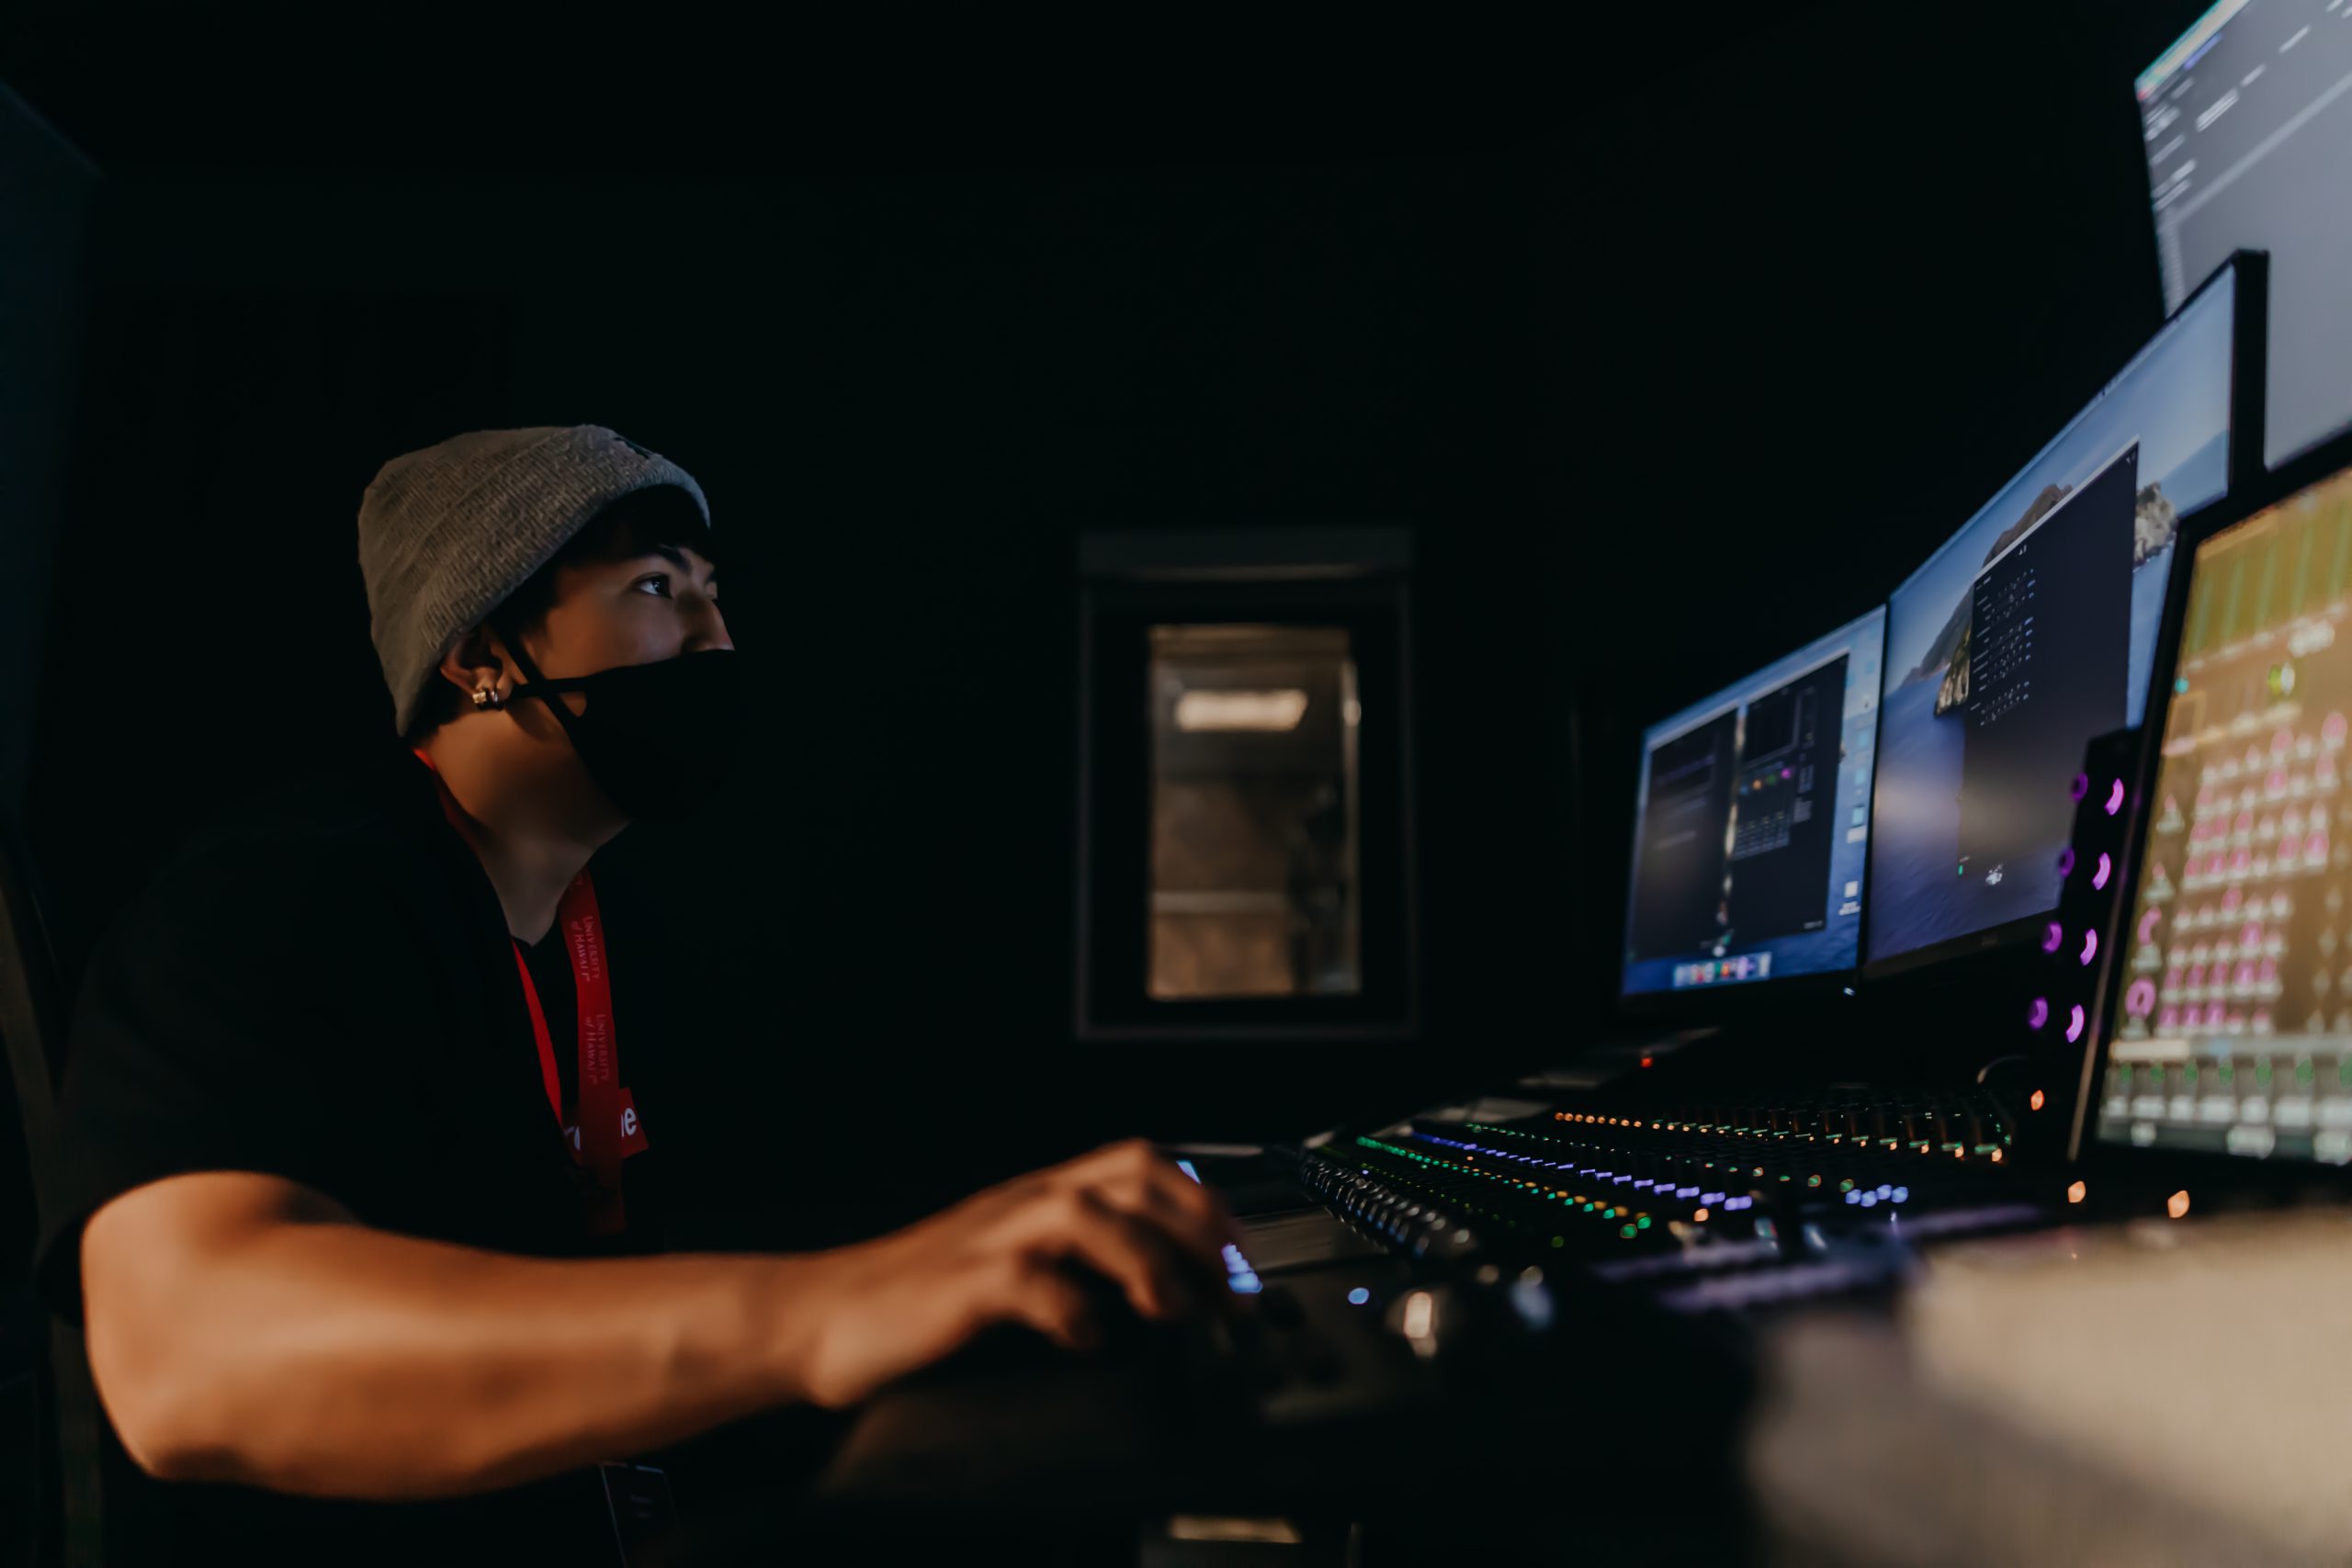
x: 362, y: 1102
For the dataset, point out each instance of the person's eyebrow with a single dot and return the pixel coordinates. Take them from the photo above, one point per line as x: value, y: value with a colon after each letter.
x: 677, y: 558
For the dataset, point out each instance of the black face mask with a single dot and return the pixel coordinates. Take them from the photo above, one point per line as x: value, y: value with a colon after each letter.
x: 657, y: 738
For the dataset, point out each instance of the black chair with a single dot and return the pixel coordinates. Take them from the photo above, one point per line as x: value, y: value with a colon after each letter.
x: 32, y: 1030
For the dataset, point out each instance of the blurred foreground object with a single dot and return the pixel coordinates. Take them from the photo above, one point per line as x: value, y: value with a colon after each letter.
x: 2155, y: 1392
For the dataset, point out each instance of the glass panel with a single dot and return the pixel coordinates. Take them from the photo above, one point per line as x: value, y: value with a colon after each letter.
x: 1253, y: 812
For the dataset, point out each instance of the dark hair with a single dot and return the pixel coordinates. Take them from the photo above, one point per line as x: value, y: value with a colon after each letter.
x: 637, y: 524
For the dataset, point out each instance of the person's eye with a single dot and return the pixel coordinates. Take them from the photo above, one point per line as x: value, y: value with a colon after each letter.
x: 657, y: 584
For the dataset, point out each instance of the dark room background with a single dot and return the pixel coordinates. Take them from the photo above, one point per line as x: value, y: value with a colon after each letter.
x: 1674, y: 341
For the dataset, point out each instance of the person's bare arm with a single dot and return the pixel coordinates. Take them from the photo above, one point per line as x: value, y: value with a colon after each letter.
x: 242, y: 1328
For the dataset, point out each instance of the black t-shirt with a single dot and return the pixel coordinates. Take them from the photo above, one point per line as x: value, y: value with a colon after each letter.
x: 322, y: 987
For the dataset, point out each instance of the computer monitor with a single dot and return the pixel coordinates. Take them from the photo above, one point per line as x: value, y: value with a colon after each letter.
x: 2246, y: 118
x: 2230, y: 1022
x: 2031, y: 631
x: 1751, y: 822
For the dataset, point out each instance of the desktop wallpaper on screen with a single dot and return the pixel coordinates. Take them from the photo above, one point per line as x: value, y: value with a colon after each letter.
x: 1751, y: 823
x: 2031, y: 631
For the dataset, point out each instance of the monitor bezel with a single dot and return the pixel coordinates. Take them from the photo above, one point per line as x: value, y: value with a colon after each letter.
x: 2249, y: 307
x: 1708, y: 1003
x: 2093, y: 1156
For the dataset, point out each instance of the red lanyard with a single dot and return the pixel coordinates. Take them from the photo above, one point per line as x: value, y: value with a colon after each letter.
x: 597, y: 1143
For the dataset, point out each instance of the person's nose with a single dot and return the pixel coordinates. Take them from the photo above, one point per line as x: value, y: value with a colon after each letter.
x: 708, y: 630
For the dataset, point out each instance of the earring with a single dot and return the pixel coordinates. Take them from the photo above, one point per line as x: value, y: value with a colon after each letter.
x: 486, y: 697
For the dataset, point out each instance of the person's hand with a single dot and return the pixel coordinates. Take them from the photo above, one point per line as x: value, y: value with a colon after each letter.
x: 886, y: 1307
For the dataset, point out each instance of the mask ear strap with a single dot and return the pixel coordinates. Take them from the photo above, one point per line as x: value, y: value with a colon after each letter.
x: 536, y: 685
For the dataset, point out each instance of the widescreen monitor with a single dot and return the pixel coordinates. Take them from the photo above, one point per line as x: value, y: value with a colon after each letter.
x: 1751, y: 823
x: 2030, y: 632
x: 2233, y: 1012
x: 2248, y: 121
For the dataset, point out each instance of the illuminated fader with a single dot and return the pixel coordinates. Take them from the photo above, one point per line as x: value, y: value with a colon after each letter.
x: 2235, y: 1031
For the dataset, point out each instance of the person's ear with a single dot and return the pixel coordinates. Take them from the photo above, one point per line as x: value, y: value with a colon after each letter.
x: 472, y: 665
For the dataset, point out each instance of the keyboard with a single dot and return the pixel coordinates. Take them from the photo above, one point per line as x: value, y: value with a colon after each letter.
x: 1592, y: 1183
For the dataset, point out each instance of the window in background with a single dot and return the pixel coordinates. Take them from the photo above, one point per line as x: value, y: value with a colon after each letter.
x: 1244, y: 823
x: 1253, y: 888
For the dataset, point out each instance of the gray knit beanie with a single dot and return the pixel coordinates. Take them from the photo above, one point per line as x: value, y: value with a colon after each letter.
x: 448, y: 534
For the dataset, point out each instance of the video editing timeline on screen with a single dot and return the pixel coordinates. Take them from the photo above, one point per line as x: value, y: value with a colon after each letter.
x: 2236, y: 1029
x: 1752, y: 823
x: 2049, y: 634
x: 2246, y: 120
